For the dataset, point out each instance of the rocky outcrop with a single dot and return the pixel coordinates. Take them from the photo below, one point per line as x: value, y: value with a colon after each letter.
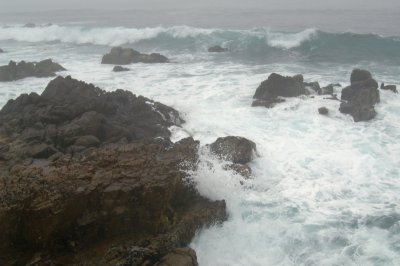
x: 15, y: 71
x: 120, y: 69
x: 392, y: 88
x: 360, y: 97
x: 90, y: 177
x: 217, y: 49
x: 276, y: 86
x: 125, y: 56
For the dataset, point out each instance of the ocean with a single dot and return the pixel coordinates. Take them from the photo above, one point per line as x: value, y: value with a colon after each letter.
x: 325, y: 190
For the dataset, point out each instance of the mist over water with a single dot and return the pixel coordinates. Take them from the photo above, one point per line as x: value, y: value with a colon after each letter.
x: 325, y: 190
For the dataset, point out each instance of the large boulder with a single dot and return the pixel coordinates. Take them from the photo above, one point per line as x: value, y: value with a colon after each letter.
x: 125, y: 56
x: 276, y: 86
x: 89, y: 177
x: 217, y: 49
x: 358, y: 75
x: 237, y: 150
x: 15, y: 71
x: 360, y: 97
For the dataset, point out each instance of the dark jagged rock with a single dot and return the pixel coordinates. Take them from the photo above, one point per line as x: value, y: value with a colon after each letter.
x: 125, y: 56
x: 217, y: 49
x: 120, y: 69
x: 235, y: 149
x: 113, y: 190
x: 323, y: 111
x: 360, y: 97
x: 358, y: 75
x: 328, y: 90
x: 14, y: 71
x: 392, y: 88
x: 276, y: 86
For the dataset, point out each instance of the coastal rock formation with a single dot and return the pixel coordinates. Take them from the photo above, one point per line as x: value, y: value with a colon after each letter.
x: 235, y: 149
x: 125, y: 56
x: 15, y: 71
x: 120, y: 69
x: 323, y: 111
x: 276, y: 86
x: 392, y: 88
x: 90, y: 177
x: 359, y: 98
x: 217, y: 49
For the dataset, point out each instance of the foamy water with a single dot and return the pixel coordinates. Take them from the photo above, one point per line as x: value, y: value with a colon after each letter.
x: 325, y: 191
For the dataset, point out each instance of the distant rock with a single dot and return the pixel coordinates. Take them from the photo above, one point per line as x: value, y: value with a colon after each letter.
x: 358, y: 75
x: 276, y: 86
x: 234, y: 149
x: 1, y: 51
x: 217, y: 49
x: 392, y: 88
x: 15, y: 71
x: 323, y: 111
x: 120, y: 69
x: 30, y: 25
x: 360, y: 97
x: 125, y: 56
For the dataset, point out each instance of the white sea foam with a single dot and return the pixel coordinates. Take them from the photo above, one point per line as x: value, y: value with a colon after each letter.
x: 287, y: 40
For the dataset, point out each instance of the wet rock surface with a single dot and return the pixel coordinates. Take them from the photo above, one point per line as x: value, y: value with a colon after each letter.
x: 125, y: 56
x: 323, y: 111
x: 276, y: 86
x: 360, y: 97
x: 15, y: 71
x: 234, y: 149
x: 89, y: 177
x: 120, y: 69
x: 392, y: 88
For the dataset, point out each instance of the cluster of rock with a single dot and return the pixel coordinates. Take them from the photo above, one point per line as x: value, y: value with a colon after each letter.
x: 125, y: 56
x: 90, y: 177
x: 15, y: 71
x: 277, y: 87
x: 237, y: 150
x: 360, y: 97
x: 217, y: 49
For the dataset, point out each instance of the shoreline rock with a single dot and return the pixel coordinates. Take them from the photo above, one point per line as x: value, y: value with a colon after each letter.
x: 125, y: 56
x: 91, y: 177
x: 360, y: 97
x: 120, y: 69
x: 15, y: 71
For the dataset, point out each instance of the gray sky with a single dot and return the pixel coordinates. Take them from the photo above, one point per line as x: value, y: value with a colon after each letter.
x: 37, y: 5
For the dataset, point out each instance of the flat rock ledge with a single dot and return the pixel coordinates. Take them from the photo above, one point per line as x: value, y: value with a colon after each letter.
x: 89, y: 177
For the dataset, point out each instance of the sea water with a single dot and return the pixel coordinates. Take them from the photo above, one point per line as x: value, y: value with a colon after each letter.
x: 324, y: 191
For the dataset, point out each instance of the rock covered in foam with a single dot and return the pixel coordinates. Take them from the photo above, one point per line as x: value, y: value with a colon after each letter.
x: 120, y: 69
x: 125, y: 56
x: 16, y: 71
x: 235, y: 149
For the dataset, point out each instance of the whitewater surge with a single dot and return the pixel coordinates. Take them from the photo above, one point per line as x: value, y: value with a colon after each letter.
x: 325, y: 190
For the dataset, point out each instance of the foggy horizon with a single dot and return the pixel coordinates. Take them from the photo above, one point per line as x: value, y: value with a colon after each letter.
x: 120, y: 5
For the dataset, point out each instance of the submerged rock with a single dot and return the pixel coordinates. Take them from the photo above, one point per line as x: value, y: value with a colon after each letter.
x: 323, y: 111
x: 125, y: 56
x: 120, y: 199
x: 217, y: 49
x: 360, y: 97
x: 120, y: 69
x: 276, y: 86
x: 15, y: 71
x: 234, y: 149
x: 392, y: 88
